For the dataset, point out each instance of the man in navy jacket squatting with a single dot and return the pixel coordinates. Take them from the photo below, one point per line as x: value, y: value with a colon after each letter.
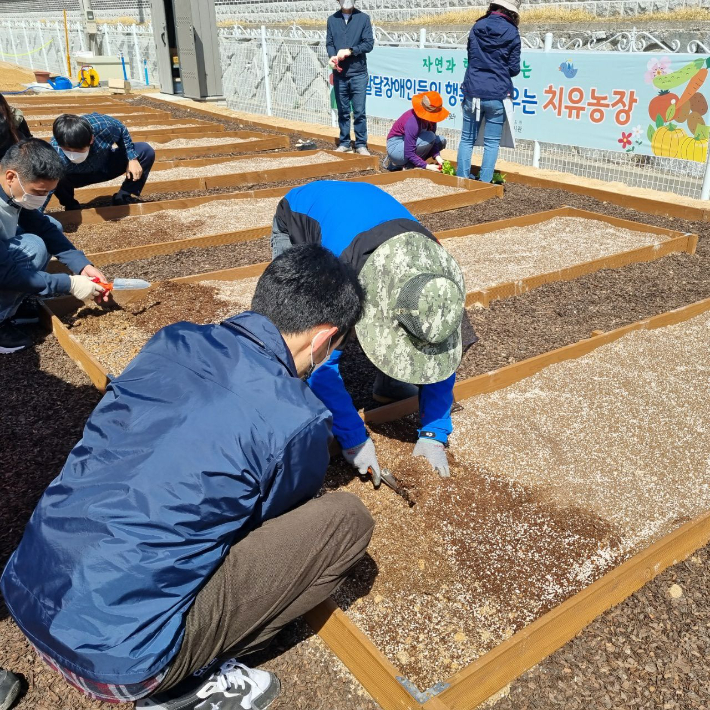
x: 411, y: 326
x: 183, y: 524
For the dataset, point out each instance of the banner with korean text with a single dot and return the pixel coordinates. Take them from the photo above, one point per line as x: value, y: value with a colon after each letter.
x: 632, y: 102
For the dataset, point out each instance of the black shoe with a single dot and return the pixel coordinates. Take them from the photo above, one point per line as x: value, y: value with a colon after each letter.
x: 9, y: 689
x: 119, y: 200
x: 73, y: 205
x: 27, y: 313
x: 232, y: 686
x: 12, y: 339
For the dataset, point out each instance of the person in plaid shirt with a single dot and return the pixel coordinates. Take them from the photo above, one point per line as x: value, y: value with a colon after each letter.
x: 97, y: 148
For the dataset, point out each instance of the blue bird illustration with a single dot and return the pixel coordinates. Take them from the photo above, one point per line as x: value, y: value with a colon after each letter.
x: 568, y: 69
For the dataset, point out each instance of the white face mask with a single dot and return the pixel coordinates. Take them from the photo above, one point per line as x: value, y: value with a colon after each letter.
x: 75, y: 156
x: 347, y: 4
x: 28, y: 201
x: 315, y: 366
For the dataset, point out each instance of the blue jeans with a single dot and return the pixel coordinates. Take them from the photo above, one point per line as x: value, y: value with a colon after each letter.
x: 30, y: 254
x: 427, y: 143
x: 494, y: 113
x: 351, y: 91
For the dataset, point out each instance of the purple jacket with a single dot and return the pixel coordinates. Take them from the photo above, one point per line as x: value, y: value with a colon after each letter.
x: 410, y: 126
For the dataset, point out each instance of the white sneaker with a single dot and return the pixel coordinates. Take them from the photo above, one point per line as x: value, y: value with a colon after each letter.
x: 232, y: 687
x: 362, y: 150
x: 343, y: 149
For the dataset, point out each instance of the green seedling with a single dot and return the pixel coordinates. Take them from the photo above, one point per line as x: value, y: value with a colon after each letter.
x: 447, y: 168
x: 498, y: 178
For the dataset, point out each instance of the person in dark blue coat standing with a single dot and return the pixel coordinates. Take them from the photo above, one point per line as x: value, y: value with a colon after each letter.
x: 183, y: 524
x: 349, y: 38
x: 493, y: 58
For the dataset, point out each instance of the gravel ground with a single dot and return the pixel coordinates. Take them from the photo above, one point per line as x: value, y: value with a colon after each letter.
x: 233, y: 167
x: 520, y: 252
x: 198, y: 142
x: 105, y: 201
x: 179, y: 112
x: 212, y: 218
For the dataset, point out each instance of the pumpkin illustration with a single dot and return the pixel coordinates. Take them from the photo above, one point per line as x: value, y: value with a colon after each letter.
x: 666, y: 141
x: 693, y: 149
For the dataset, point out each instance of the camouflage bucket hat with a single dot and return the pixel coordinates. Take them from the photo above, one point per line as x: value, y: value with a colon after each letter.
x: 415, y: 298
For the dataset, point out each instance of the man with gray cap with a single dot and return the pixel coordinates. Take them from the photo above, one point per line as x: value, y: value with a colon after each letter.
x: 411, y: 327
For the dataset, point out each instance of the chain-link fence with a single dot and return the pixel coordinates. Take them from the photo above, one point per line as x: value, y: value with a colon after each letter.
x: 41, y: 45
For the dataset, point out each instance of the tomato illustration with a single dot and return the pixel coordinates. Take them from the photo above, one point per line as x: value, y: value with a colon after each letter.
x: 660, y: 104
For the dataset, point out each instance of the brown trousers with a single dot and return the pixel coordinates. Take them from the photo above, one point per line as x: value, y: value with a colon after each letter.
x: 274, y: 575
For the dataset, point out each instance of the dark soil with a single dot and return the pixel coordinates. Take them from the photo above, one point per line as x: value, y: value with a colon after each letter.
x: 166, y: 304
x: 193, y: 261
x: 649, y: 652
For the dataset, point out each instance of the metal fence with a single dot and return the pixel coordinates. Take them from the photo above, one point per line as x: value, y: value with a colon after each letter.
x: 284, y: 72
x: 38, y: 44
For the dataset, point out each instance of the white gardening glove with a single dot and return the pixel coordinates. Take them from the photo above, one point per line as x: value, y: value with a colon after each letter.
x: 364, y: 459
x: 439, y: 160
x: 333, y: 62
x: 83, y: 288
x: 435, y: 453
x: 433, y: 166
x: 343, y: 53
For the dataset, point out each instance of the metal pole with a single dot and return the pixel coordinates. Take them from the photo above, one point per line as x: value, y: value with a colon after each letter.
x: 267, y: 80
x: 59, y: 43
x: 137, y: 72
x: 12, y: 40
x: 80, y: 32
x: 548, y: 41
x: 107, y: 41
x: 27, y: 44
x: 422, y: 38
x: 44, y: 45
x: 705, y: 191
x: 536, y: 154
x: 66, y: 39
x: 2, y: 51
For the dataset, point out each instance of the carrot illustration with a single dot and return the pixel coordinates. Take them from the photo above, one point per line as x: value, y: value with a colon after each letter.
x: 693, y: 87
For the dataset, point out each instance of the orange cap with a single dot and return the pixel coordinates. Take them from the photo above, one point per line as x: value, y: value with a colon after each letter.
x: 429, y: 106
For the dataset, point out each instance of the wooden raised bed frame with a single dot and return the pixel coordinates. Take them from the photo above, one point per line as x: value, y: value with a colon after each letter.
x: 677, y: 242
x: 474, y: 194
x: 500, y: 666
x: 253, y: 143
x: 346, y: 163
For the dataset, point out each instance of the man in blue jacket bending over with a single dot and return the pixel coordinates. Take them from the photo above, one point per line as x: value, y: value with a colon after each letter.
x: 183, y: 524
x: 411, y: 326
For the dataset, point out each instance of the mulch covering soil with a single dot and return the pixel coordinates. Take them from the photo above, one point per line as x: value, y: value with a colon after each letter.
x: 648, y: 652
x: 159, y: 196
x: 193, y: 261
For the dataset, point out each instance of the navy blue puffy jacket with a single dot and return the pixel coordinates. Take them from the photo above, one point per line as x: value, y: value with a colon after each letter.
x: 206, y: 434
x: 493, y: 58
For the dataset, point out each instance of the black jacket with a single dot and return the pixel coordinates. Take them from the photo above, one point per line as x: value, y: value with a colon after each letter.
x: 356, y: 35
